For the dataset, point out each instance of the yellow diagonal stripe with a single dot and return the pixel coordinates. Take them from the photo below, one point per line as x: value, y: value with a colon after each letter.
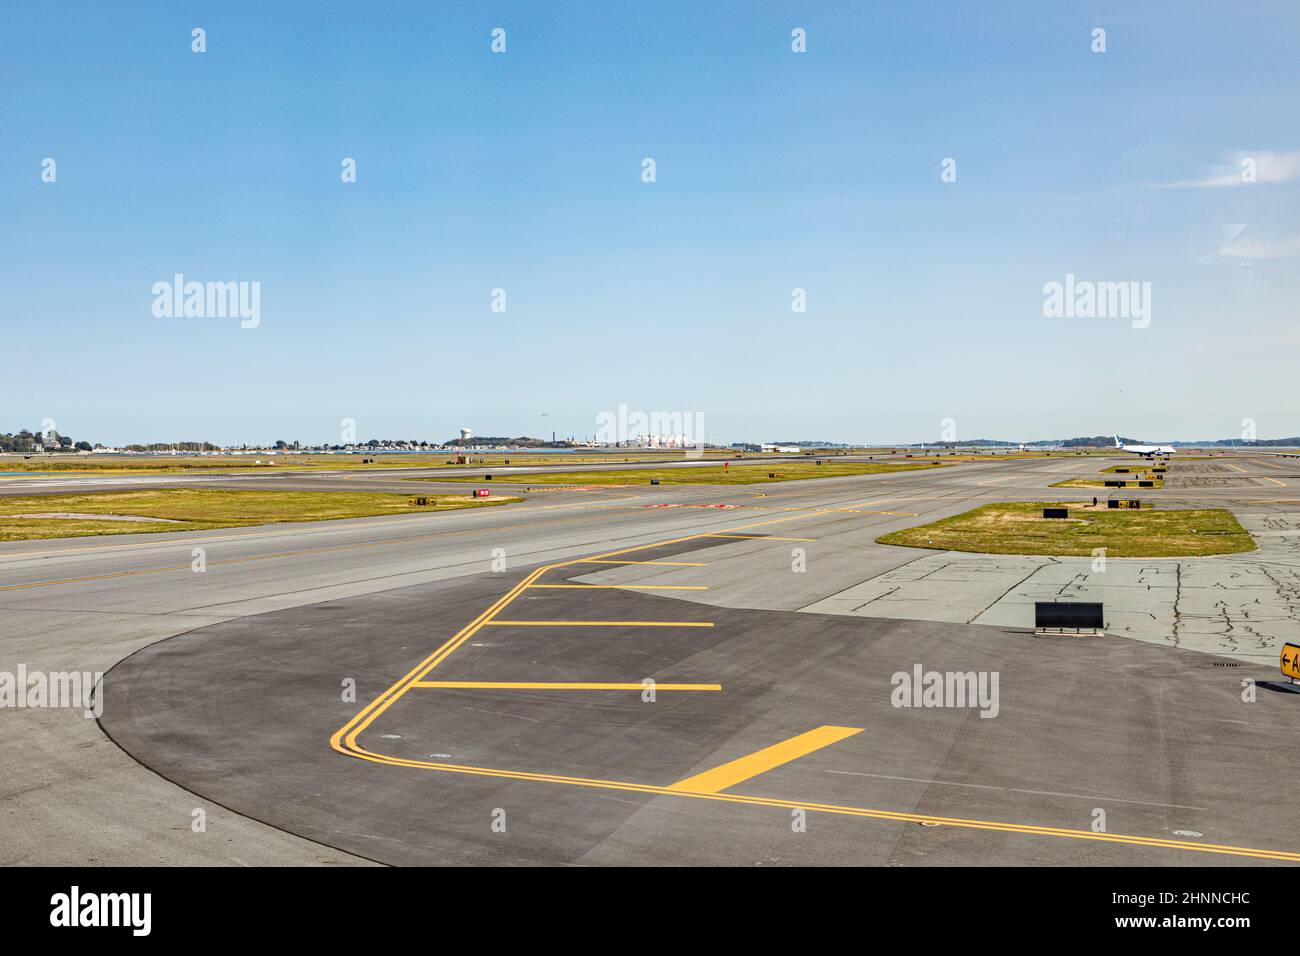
x: 761, y: 761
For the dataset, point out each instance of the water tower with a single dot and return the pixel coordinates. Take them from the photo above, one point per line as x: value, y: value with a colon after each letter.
x: 464, y: 436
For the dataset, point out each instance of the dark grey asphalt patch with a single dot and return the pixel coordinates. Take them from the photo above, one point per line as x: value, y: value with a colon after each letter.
x: 241, y: 712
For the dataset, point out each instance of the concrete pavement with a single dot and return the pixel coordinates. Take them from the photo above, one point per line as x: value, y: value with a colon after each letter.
x: 284, y: 614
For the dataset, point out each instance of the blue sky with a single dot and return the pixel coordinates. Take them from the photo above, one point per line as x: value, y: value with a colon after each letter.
x: 775, y: 170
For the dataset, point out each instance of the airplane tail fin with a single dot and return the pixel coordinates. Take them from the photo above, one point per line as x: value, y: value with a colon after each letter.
x: 1116, y: 441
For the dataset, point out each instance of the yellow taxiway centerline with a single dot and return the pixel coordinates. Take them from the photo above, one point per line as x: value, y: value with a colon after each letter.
x: 324, y: 549
x: 666, y: 564
x: 891, y: 815
x: 623, y: 587
x: 360, y: 522
x: 599, y: 623
x: 557, y: 685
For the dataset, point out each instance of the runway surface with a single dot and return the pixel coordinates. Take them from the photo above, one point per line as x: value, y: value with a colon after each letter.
x: 451, y: 688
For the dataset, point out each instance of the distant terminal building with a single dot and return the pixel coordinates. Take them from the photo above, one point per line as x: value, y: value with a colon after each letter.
x: 769, y: 448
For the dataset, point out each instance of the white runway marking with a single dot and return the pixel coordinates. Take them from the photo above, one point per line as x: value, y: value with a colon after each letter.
x: 984, y: 786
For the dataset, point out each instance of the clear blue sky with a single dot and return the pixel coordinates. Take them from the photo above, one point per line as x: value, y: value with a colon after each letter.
x: 775, y: 170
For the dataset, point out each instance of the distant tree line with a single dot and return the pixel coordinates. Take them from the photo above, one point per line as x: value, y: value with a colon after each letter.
x: 25, y: 441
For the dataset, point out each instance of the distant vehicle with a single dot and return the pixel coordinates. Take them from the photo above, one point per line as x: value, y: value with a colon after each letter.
x: 1146, y: 451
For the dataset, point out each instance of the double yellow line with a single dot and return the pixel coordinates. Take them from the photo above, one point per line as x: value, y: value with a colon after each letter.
x: 344, y: 741
x: 1018, y: 828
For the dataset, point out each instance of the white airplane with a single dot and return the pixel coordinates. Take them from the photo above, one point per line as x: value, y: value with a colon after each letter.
x: 1147, y: 451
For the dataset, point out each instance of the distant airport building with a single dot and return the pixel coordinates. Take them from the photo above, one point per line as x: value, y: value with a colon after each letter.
x: 766, y: 447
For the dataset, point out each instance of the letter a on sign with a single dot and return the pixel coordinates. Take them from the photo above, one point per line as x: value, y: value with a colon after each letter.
x: 1291, y: 661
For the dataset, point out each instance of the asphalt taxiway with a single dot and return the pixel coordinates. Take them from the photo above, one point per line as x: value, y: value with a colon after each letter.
x: 626, y: 675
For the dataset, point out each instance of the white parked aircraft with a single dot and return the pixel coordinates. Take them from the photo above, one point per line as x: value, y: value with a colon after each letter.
x: 1146, y: 451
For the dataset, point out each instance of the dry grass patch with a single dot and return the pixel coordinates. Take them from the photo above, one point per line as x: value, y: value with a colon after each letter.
x: 200, y: 509
x: 1020, y: 528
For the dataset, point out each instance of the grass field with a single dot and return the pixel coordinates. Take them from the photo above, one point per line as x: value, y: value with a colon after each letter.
x: 735, y: 474
x: 1020, y: 528
x: 199, y: 509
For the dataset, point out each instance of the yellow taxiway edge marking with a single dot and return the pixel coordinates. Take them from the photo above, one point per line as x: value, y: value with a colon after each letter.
x: 1236, y: 467
x: 94, y: 577
x: 621, y: 587
x: 892, y: 815
x: 761, y: 761
x: 672, y: 564
x: 557, y: 685
x: 599, y: 623
x: 344, y: 740
x: 1274, y: 480
x: 345, y: 737
x: 757, y: 537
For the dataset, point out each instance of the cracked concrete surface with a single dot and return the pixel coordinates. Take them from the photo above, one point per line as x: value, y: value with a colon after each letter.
x: 1243, y: 606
